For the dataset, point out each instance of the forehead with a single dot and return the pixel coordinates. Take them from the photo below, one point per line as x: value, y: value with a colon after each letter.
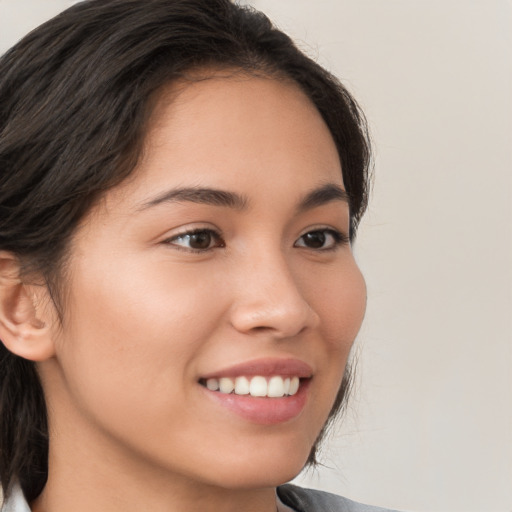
x: 224, y: 130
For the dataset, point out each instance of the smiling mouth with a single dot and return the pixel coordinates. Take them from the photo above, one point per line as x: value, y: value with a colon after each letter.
x: 275, y: 386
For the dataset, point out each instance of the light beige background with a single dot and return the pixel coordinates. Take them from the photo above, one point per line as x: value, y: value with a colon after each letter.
x: 430, y: 422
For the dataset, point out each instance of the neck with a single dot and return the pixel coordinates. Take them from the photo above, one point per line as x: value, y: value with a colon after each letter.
x: 79, y: 486
x: 89, y: 473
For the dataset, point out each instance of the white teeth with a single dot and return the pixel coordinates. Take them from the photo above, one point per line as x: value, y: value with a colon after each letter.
x: 212, y: 384
x: 242, y: 386
x: 258, y: 386
x: 275, y: 387
x: 287, y: 386
x: 294, y: 385
x: 226, y: 385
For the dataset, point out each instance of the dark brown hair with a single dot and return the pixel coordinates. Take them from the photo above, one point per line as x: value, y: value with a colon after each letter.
x: 74, y: 100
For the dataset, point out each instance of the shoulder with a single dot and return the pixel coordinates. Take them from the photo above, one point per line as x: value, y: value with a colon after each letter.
x: 15, y: 502
x: 310, y: 500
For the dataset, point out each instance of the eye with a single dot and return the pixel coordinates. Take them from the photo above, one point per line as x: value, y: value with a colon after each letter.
x: 197, y: 240
x: 322, y: 239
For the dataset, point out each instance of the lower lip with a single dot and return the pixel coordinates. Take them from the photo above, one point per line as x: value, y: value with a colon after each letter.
x: 264, y: 410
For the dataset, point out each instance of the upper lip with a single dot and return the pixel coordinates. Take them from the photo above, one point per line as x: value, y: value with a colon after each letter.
x: 265, y: 367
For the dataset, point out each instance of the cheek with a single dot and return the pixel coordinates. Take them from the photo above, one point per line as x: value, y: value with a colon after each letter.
x: 341, y: 305
x: 133, y: 334
x: 340, y: 301
x: 139, y: 304
x: 339, y: 298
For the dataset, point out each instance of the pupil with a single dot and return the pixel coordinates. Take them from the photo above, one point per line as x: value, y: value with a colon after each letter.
x: 316, y: 239
x: 200, y: 240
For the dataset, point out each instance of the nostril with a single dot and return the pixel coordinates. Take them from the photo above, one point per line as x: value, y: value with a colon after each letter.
x: 261, y: 328
x: 263, y: 309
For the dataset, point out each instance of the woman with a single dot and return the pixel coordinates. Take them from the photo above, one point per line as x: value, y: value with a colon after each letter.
x: 179, y: 190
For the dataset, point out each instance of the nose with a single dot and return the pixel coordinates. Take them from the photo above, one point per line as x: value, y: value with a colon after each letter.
x: 269, y: 299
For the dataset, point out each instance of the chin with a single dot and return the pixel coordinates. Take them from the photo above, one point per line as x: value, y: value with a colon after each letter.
x: 259, y: 478
x: 260, y: 468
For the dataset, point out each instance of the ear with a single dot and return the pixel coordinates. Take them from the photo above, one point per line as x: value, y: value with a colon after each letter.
x: 25, y: 325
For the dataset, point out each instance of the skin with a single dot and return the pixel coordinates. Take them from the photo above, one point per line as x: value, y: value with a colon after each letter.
x: 146, y: 316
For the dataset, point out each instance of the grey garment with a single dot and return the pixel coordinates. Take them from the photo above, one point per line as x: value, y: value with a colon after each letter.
x: 309, y: 500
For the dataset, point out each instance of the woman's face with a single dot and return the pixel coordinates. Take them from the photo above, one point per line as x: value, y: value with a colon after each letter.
x: 224, y: 256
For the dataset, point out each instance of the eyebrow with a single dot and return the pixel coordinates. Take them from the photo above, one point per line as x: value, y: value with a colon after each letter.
x: 210, y: 196
x: 215, y: 197
x: 323, y: 195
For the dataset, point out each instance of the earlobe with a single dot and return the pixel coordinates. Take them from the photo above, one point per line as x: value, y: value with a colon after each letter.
x: 22, y: 331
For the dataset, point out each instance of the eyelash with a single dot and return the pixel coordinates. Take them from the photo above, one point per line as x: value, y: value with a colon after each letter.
x: 214, y: 236
x: 337, y: 239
